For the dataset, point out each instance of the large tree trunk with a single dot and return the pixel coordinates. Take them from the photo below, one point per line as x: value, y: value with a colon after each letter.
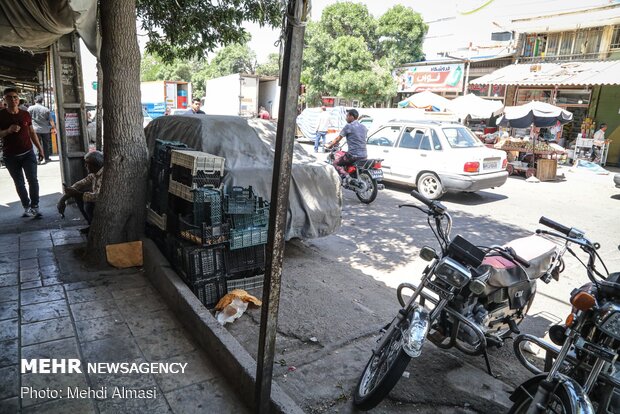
x: 119, y: 212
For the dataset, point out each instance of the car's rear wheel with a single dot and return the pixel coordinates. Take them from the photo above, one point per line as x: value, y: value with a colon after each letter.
x: 430, y: 186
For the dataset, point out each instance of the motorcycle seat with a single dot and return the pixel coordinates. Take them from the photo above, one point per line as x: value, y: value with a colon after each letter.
x: 535, y: 249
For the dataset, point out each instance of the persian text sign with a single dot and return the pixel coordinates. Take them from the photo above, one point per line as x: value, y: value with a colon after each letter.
x: 437, y: 78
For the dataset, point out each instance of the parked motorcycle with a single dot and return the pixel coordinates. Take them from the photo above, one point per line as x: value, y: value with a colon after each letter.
x: 366, y: 176
x: 478, y: 297
x: 583, y: 376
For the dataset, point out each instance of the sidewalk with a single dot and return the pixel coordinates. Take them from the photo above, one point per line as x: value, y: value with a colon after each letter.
x: 50, y: 307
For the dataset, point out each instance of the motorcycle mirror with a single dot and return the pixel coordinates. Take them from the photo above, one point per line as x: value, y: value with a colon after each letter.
x: 428, y: 253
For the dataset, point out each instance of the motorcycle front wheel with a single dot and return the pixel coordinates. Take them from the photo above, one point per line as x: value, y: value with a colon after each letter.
x: 368, y: 195
x: 558, y: 403
x: 382, y: 372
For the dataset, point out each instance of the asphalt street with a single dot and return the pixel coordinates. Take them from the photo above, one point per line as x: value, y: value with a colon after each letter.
x: 338, y: 291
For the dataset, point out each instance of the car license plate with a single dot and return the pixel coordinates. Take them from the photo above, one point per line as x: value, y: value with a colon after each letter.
x: 489, y: 165
x: 376, y: 174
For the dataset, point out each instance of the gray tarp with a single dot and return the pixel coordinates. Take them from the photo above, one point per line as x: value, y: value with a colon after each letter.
x: 36, y: 24
x: 249, y: 147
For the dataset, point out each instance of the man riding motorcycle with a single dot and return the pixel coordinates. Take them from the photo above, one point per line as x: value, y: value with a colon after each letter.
x: 355, y: 133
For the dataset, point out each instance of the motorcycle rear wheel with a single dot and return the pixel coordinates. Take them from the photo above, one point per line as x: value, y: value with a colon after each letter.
x: 559, y: 403
x: 369, y: 195
x: 381, y: 373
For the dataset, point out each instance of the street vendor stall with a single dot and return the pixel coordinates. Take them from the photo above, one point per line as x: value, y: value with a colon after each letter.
x: 535, y: 157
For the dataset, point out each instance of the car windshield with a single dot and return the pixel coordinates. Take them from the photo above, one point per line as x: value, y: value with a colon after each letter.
x: 461, y: 137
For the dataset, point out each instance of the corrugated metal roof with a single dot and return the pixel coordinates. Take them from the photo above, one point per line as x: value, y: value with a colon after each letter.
x: 565, y: 73
x: 570, y: 20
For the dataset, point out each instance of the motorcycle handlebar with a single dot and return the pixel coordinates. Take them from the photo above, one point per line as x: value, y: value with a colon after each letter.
x: 555, y: 225
x: 434, y: 206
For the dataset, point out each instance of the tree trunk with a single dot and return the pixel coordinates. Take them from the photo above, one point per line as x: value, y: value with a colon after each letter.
x: 120, y: 207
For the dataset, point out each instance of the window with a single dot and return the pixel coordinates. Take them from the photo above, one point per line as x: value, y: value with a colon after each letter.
x: 566, y: 43
x: 572, y: 97
x: 385, y: 137
x: 615, y: 38
x: 527, y: 95
x: 553, y: 43
x: 426, y: 143
x: 436, y: 142
x: 411, y: 141
x: 529, y: 45
x: 461, y: 137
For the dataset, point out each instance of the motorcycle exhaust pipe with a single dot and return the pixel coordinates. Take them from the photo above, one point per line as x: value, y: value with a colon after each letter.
x: 415, y: 335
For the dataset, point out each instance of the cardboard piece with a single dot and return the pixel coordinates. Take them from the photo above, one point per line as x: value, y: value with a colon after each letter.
x: 124, y: 255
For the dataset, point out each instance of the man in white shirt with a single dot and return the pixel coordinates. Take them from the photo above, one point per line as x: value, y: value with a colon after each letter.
x: 321, y: 129
x: 598, y: 143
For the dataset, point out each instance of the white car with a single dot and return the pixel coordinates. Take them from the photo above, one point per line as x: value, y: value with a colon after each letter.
x: 436, y: 157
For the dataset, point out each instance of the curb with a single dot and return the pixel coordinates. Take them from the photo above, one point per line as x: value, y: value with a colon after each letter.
x: 234, y: 362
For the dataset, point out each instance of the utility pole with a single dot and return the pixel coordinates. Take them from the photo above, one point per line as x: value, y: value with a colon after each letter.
x: 296, y: 16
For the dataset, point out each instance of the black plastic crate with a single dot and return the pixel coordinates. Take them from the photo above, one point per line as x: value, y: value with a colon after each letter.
x: 247, y: 259
x: 203, y: 262
x: 184, y: 176
x: 240, y: 200
x: 163, y: 150
x: 203, y: 234
x: 159, y: 173
x: 209, y: 291
x: 207, y: 203
x: 157, y: 235
x: 158, y: 200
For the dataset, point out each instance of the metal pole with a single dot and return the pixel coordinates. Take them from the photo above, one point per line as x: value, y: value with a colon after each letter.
x: 465, y: 85
x: 297, y: 11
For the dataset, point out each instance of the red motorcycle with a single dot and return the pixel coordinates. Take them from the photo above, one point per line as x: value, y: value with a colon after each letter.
x: 365, y: 175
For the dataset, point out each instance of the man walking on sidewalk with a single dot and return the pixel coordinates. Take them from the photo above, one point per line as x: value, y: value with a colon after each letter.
x: 321, y: 129
x: 18, y: 136
x: 43, y: 125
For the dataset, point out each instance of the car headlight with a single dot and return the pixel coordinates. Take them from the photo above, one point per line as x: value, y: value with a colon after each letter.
x: 452, y: 272
x: 608, y: 320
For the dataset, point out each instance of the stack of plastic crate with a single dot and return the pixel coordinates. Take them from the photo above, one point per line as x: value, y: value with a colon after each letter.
x: 248, y: 215
x: 159, y: 177
x: 195, y: 215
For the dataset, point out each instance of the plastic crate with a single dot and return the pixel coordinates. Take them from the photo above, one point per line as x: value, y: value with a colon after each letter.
x: 155, y: 219
x: 202, y: 262
x: 199, y: 179
x: 209, y: 291
x: 206, y: 202
x: 158, y: 200
x: 252, y: 236
x: 198, y: 161
x: 159, y: 173
x: 240, y: 201
x: 245, y: 259
x: 203, y: 234
x: 248, y: 284
x: 163, y: 150
x: 259, y: 218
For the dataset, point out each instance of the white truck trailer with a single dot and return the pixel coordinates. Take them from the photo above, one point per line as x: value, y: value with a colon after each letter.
x: 159, y: 95
x: 242, y: 95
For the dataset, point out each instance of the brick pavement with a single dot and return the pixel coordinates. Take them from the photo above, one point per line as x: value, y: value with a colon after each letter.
x: 51, y: 307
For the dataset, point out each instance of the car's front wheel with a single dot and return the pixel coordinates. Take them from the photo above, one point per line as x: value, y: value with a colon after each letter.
x: 430, y: 186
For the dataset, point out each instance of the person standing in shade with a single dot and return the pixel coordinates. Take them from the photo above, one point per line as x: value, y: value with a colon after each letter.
x: 43, y: 125
x: 18, y: 137
x: 321, y: 128
x: 195, y: 107
x: 598, y: 143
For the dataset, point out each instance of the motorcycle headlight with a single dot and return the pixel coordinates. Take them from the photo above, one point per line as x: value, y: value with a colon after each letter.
x: 452, y: 272
x: 608, y: 320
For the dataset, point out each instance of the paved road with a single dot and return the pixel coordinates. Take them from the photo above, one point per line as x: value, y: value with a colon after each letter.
x: 339, y: 290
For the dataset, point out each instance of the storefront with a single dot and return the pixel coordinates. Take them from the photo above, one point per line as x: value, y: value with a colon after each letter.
x: 587, y: 89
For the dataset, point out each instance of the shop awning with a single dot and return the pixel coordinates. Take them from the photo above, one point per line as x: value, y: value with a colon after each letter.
x: 561, y: 74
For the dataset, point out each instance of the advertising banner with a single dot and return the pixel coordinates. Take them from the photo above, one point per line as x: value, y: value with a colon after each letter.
x: 435, y: 78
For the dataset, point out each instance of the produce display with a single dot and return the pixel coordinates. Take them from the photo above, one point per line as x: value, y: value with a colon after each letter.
x: 524, y: 146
